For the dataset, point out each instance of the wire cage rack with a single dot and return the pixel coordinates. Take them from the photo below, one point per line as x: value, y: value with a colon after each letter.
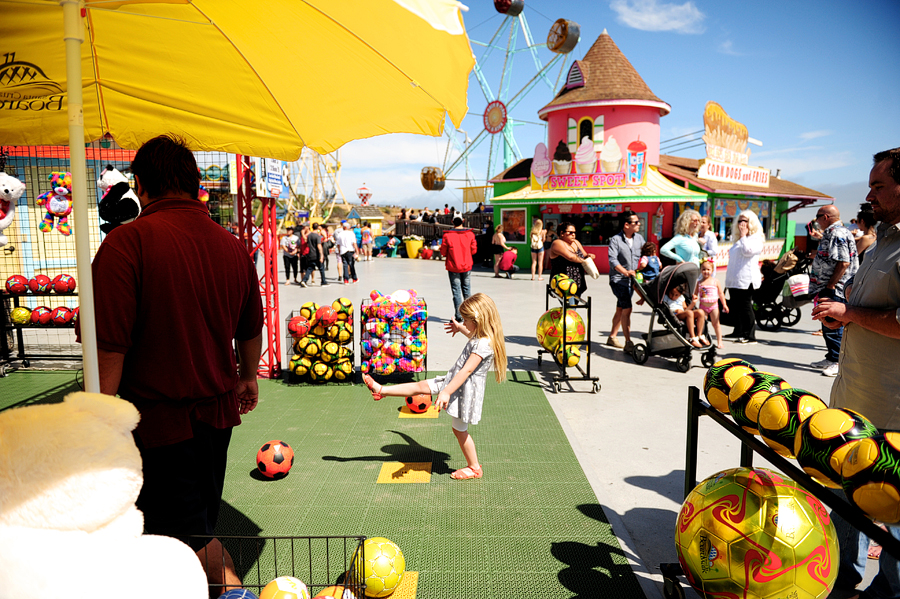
x: 296, y: 373
x: 319, y: 561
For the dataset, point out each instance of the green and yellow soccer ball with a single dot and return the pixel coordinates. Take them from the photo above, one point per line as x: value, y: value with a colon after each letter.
x: 300, y: 364
x: 343, y: 307
x: 755, y: 533
x: 564, y: 285
x: 719, y: 379
x: 826, y: 438
x: 330, y: 351
x: 781, y: 415
x: 870, y: 476
x: 341, y: 332
x: 345, y: 352
x: 20, y: 315
x: 383, y: 566
x: 320, y: 372
x: 551, y: 327
x: 308, y: 311
x: 748, y: 394
x: 343, y: 369
x: 313, y: 347
x: 572, y: 357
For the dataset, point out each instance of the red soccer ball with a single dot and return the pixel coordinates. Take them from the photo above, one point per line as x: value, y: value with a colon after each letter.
x: 325, y: 316
x: 75, y: 315
x: 298, y: 327
x: 17, y: 285
x: 274, y: 459
x: 63, y: 284
x: 61, y: 316
x: 418, y: 404
x: 39, y: 284
x: 41, y: 315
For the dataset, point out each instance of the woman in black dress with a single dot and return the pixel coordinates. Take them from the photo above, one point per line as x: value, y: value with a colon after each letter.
x: 567, y: 256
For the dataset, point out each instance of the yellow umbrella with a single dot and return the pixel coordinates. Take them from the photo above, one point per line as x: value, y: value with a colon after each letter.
x: 254, y: 78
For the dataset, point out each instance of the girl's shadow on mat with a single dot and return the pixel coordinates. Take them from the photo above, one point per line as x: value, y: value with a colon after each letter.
x: 412, y: 451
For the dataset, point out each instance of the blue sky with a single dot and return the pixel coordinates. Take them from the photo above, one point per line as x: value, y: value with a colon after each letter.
x: 816, y: 81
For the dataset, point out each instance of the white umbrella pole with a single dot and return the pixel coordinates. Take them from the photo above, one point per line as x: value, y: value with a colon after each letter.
x: 74, y: 37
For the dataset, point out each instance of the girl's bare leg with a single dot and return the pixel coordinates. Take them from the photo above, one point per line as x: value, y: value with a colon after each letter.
x: 401, y: 390
x: 467, y: 445
x: 714, y: 318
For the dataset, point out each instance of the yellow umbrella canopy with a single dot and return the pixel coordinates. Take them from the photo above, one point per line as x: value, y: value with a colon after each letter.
x: 255, y: 78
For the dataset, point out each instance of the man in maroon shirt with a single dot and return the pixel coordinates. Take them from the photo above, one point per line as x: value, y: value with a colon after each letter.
x: 458, y: 246
x: 173, y: 290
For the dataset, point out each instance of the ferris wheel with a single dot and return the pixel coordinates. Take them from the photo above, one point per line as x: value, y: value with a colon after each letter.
x: 497, y: 103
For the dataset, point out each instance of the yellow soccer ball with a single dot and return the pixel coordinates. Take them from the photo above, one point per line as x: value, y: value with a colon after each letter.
x: 285, y: 587
x: 719, y: 379
x: 383, y: 567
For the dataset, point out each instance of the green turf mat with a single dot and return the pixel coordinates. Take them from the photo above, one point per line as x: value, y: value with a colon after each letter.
x: 25, y: 387
x: 530, y: 528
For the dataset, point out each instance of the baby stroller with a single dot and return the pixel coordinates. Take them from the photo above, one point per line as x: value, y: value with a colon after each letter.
x: 672, y: 340
x: 774, y: 306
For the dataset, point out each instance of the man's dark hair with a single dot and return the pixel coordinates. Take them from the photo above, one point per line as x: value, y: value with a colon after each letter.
x: 290, y: 229
x: 457, y: 221
x: 894, y: 157
x: 166, y: 165
x: 625, y: 216
x: 315, y: 226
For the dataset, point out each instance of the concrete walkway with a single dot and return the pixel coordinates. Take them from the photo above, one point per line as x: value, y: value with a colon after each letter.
x: 629, y: 437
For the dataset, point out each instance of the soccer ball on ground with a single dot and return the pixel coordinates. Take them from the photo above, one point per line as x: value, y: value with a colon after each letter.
x: 63, y: 284
x: 20, y: 315
x: 298, y: 327
x: 342, y: 369
x: 781, y: 415
x: 871, y: 477
x: 748, y: 394
x: 383, y: 567
x: 41, y: 315
x: 755, y: 533
x: 335, y: 592
x: 285, y: 587
x: 825, y: 439
x: 238, y: 594
x: 308, y: 311
x: 719, y: 379
x: 17, y: 285
x: 274, y: 460
x: 39, y: 284
x: 300, y: 364
x: 320, y: 372
x: 418, y: 404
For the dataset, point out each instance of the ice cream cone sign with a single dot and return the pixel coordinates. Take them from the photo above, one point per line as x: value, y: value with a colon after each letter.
x: 540, y: 167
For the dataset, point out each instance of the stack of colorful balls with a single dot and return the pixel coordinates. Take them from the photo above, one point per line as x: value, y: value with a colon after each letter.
x: 393, y: 337
x: 322, y: 340
x: 38, y: 285
x: 837, y: 447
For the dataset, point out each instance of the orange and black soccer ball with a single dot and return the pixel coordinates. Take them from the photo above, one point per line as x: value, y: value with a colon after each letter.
x: 418, y: 404
x: 274, y: 459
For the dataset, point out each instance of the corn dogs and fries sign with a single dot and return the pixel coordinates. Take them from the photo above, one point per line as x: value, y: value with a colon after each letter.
x: 727, y: 155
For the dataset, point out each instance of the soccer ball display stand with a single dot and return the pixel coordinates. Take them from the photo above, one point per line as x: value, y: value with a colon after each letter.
x: 801, y: 483
x: 37, y: 320
x: 319, y: 342
x: 565, y: 335
x: 322, y: 563
x: 393, y: 335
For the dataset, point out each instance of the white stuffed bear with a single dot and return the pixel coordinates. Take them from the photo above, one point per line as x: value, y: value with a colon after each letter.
x: 69, y: 476
x: 11, y: 189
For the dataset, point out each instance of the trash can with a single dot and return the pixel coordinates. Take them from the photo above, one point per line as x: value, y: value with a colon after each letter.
x: 412, y: 247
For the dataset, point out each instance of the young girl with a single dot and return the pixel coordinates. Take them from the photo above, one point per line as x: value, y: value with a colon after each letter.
x: 461, y: 391
x: 649, y: 264
x: 710, y: 292
x: 694, y: 317
x: 537, y: 249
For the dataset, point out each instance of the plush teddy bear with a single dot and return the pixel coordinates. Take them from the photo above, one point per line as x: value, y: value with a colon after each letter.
x: 58, y: 202
x: 119, y: 204
x: 11, y: 189
x: 69, y: 476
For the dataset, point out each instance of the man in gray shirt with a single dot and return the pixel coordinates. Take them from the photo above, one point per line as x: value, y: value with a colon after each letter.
x: 624, y: 255
x: 869, y: 380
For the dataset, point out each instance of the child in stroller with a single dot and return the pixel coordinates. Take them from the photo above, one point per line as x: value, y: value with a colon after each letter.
x: 694, y: 318
x: 771, y: 307
x: 673, y: 340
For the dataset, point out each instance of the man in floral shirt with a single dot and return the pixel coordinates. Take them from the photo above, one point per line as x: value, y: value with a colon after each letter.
x: 834, y: 264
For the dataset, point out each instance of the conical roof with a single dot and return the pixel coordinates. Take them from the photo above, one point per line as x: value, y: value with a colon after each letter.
x: 603, y: 74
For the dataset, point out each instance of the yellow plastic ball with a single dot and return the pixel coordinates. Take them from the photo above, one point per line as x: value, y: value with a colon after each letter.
x: 383, y: 567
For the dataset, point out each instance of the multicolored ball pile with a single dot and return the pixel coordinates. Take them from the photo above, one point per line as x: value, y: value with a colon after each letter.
x: 322, y: 338
x: 393, y: 337
x: 837, y: 447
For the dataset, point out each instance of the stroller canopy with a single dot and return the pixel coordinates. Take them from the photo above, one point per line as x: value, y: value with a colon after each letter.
x: 685, y: 273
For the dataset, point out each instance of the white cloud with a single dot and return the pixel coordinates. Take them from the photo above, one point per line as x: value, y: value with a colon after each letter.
x: 814, y: 134
x: 652, y: 15
x: 727, y: 47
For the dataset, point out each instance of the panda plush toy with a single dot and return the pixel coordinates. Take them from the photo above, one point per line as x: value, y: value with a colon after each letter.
x: 119, y: 204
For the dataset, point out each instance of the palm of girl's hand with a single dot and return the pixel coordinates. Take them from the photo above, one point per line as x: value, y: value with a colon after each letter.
x: 452, y: 327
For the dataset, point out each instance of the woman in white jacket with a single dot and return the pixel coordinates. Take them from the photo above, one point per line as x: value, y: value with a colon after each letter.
x: 743, y: 276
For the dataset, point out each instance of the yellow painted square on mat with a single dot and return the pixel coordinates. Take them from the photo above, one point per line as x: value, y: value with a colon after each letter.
x: 405, y: 472
x: 408, y: 586
x: 431, y: 412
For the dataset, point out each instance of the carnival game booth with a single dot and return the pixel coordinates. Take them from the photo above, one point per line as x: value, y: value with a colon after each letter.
x: 592, y: 202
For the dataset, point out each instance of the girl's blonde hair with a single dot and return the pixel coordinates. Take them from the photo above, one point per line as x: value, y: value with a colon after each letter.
x: 483, y: 311
x: 755, y: 227
x: 683, y: 224
x: 537, y: 226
